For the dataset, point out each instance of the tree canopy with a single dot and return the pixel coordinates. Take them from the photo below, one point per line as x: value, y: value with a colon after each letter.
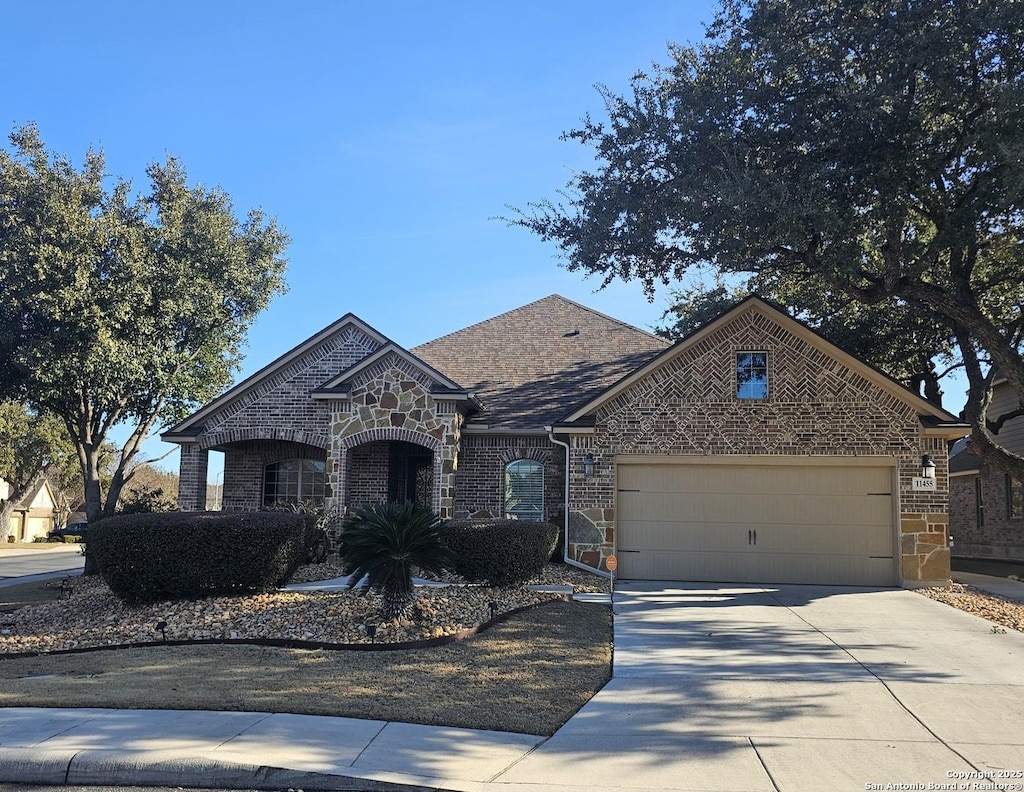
x: 118, y: 308
x: 868, y: 149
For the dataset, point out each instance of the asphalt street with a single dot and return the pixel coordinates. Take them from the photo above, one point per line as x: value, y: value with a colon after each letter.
x: 24, y: 566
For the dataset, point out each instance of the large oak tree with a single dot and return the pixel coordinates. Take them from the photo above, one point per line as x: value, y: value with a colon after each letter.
x: 119, y: 308
x: 872, y: 147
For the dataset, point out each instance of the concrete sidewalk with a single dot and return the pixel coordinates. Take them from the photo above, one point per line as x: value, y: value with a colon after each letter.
x: 1000, y: 586
x: 251, y: 750
x: 732, y: 688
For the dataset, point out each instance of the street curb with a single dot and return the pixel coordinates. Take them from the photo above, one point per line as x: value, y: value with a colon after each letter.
x: 156, y: 768
x: 34, y: 765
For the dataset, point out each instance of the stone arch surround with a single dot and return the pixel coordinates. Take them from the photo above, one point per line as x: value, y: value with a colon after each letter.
x: 389, y: 433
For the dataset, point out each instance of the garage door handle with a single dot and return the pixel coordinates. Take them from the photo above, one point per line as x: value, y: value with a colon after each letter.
x: 752, y: 537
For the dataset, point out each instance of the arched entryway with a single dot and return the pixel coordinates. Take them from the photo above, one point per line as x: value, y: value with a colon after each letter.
x: 392, y: 471
x: 392, y: 465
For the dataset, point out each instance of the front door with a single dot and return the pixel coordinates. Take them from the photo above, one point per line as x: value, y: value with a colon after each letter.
x: 410, y: 474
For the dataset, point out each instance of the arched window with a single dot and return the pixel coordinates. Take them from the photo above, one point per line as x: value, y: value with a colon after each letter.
x: 295, y: 481
x: 524, y: 490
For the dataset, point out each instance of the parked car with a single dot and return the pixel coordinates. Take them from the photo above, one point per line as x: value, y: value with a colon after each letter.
x: 74, y: 529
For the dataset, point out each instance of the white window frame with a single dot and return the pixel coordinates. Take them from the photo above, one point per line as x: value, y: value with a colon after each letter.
x: 524, y: 497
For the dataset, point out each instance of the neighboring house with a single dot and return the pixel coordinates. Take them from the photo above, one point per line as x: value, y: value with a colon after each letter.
x: 752, y: 451
x: 33, y: 514
x: 986, y: 507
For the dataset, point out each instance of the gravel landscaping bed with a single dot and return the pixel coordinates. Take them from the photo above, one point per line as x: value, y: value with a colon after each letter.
x: 94, y: 617
x: 1003, y: 612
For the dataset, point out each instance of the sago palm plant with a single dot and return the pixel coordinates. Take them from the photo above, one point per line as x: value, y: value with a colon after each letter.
x: 384, y: 543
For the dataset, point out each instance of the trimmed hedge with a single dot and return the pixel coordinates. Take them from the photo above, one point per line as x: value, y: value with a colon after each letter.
x: 187, y: 555
x: 499, y: 552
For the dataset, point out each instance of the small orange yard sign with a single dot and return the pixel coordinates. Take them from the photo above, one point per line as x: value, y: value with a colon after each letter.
x: 611, y: 562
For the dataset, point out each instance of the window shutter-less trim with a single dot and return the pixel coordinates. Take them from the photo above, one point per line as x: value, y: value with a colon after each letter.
x: 524, y: 490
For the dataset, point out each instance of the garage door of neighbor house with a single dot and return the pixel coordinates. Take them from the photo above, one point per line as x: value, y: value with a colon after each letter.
x: 766, y: 521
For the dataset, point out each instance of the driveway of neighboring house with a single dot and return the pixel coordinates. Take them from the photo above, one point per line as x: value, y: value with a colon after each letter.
x: 795, y: 688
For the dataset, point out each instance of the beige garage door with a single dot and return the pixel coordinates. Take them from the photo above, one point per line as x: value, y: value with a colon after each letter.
x: 826, y: 522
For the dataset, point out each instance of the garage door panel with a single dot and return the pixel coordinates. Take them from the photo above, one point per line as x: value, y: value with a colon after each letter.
x: 816, y: 509
x: 754, y: 479
x: 668, y: 565
x: 835, y: 570
x: 848, y: 540
x: 667, y: 536
x: 841, y: 539
x: 822, y: 523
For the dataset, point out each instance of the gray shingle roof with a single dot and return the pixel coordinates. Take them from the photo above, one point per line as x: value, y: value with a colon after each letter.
x: 531, y: 365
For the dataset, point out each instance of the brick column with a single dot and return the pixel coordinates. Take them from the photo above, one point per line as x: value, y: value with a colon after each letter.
x: 192, y: 477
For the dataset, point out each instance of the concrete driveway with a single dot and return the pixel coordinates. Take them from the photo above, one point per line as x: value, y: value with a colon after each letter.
x: 736, y: 687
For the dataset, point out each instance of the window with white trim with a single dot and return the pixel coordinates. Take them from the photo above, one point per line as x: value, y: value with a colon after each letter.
x: 524, y: 490
x: 295, y: 481
x: 752, y: 375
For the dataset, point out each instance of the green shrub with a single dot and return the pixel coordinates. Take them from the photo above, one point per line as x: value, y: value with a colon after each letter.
x: 151, y: 557
x: 499, y: 552
x: 72, y: 539
x: 384, y: 543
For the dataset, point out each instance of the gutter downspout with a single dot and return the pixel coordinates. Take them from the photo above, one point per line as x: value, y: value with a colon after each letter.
x: 565, y: 543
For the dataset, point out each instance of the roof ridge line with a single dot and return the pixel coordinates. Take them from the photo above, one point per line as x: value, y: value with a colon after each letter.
x: 511, y: 311
x: 611, y: 318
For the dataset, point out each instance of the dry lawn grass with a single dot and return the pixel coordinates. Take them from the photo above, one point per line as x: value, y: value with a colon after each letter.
x: 528, y: 674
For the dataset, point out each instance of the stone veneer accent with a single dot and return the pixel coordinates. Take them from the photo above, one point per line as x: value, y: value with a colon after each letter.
x: 391, y: 401
x: 816, y: 406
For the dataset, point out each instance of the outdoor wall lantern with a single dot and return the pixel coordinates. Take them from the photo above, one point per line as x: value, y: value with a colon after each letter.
x: 589, y: 465
x: 927, y: 467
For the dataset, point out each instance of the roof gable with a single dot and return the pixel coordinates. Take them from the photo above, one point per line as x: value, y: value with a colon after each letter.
x: 749, y: 308
x: 348, y: 331
x: 528, y: 366
x: 388, y: 356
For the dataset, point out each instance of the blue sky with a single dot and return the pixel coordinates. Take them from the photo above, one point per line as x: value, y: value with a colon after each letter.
x: 384, y: 136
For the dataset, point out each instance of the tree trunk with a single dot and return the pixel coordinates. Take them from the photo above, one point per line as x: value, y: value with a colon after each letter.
x: 89, y: 458
x: 6, y: 512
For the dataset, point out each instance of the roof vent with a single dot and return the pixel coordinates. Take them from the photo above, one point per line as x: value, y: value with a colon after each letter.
x: 571, y: 333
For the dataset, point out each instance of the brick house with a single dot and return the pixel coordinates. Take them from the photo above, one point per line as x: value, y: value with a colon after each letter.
x: 753, y: 450
x: 986, y: 507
